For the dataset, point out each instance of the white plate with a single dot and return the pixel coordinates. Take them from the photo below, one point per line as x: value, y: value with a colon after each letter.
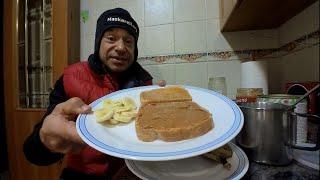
x: 199, y: 168
x: 122, y: 141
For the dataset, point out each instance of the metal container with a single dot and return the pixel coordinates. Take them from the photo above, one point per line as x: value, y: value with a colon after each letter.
x: 266, y: 133
x: 301, y: 107
x: 269, y: 132
x: 285, y: 99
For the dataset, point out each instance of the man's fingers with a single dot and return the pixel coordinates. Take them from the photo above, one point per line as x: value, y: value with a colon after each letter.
x: 60, y: 135
x: 73, y: 106
x: 72, y: 134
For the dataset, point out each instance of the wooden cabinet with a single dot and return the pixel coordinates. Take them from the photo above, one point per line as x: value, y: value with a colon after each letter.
x: 240, y: 15
x: 41, y: 37
x: 226, y: 8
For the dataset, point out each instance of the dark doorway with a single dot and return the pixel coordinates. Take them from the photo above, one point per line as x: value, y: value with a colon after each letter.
x: 3, y: 147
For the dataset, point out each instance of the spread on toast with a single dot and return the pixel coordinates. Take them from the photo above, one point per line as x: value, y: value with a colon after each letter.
x: 169, y: 114
x: 166, y: 94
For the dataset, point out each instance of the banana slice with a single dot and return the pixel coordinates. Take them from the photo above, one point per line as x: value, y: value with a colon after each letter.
x: 117, y: 103
x: 128, y: 102
x: 116, y: 111
x: 113, y: 121
x: 131, y: 114
x: 103, y: 114
x: 119, y: 117
x: 107, y: 102
x: 120, y: 109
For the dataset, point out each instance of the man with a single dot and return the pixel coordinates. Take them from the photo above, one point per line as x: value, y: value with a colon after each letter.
x: 112, y: 66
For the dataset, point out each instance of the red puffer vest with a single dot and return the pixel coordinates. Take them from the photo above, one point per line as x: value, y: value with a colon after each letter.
x: 80, y: 81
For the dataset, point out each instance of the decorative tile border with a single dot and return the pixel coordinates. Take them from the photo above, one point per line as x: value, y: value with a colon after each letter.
x: 305, y: 41
x: 313, y: 38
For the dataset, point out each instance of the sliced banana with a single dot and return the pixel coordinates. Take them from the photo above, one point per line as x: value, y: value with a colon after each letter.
x: 120, y: 109
x: 124, y: 119
x: 128, y: 102
x: 107, y: 102
x: 103, y: 114
x: 113, y: 122
x: 117, y: 104
x: 116, y: 111
x: 131, y: 114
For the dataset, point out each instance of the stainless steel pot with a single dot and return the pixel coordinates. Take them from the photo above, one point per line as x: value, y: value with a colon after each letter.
x: 268, y: 132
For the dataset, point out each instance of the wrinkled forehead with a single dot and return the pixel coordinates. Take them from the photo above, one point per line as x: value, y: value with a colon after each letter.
x: 119, y: 32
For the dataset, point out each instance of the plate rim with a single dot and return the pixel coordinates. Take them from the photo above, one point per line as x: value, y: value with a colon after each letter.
x: 148, y: 156
x: 241, y: 170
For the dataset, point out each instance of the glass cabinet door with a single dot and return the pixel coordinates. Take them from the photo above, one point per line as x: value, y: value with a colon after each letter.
x: 35, y: 52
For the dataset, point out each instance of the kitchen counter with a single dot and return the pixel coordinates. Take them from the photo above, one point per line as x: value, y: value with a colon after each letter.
x: 294, y: 171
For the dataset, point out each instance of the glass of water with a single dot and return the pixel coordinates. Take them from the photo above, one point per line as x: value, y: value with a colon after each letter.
x: 218, y: 84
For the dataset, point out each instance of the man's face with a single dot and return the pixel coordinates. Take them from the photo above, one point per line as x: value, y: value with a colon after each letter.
x: 117, y: 49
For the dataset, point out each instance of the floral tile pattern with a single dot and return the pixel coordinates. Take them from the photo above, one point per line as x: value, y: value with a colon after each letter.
x: 305, y: 41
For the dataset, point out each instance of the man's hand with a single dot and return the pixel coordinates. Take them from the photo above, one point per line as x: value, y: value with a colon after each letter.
x: 58, y: 132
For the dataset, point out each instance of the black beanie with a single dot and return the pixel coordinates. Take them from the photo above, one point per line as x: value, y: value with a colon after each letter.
x: 119, y: 18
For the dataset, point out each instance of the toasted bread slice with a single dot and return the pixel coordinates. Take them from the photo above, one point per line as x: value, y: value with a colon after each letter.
x: 165, y: 94
x: 172, y: 121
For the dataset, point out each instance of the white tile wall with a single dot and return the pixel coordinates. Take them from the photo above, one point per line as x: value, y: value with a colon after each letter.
x: 141, y: 43
x: 86, y: 46
x: 99, y: 6
x: 215, y: 40
x: 300, y: 66
x: 198, y: 31
x: 190, y: 37
x: 158, y: 12
x: 162, y: 72
x: 158, y: 40
x: 275, y: 76
x: 86, y: 27
x: 213, y: 10
x: 228, y: 69
x: 190, y: 26
x: 298, y: 63
x: 193, y: 74
x: 189, y: 10
x: 135, y: 7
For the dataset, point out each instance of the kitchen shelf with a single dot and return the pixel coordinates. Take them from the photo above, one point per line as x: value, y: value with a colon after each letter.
x: 242, y: 15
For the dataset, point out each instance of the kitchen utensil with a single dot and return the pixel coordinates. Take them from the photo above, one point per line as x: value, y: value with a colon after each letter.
x: 265, y: 133
x: 304, y: 96
x: 268, y: 133
x: 300, y: 88
x: 300, y: 107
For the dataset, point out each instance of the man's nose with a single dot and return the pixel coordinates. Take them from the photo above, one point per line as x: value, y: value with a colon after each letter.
x: 120, y: 46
